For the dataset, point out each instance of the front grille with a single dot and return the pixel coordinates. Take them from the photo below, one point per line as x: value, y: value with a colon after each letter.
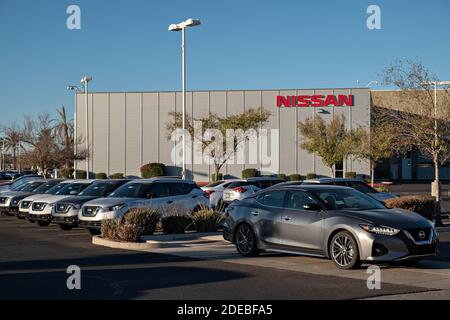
x: 38, y: 206
x: 91, y: 224
x: 89, y: 211
x: 25, y: 204
x: 417, y: 249
x: 420, y: 234
x: 62, y: 207
x: 3, y: 199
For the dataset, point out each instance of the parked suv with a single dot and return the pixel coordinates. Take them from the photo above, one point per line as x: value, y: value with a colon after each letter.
x: 151, y: 193
x: 9, y: 200
x: 65, y: 212
x: 41, y: 209
x: 355, y: 184
x: 25, y: 203
x: 241, y: 189
x: 14, y: 185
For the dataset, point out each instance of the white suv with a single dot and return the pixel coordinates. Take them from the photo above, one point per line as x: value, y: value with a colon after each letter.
x: 151, y: 193
x: 41, y: 209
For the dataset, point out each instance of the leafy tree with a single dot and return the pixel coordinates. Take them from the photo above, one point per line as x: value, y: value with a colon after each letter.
x: 13, y: 142
x: 331, y: 141
x: 251, y: 119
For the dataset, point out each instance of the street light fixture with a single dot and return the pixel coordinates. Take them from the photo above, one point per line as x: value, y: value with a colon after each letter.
x: 181, y: 27
x: 85, y: 81
x: 76, y: 89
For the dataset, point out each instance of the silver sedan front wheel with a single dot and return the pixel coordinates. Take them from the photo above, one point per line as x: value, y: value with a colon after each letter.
x: 245, y: 240
x: 344, y: 251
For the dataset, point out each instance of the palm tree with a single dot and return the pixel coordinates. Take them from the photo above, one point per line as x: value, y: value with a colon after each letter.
x: 12, y: 141
x: 64, y: 129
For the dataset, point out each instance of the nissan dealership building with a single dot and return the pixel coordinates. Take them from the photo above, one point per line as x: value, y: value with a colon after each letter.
x: 126, y: 130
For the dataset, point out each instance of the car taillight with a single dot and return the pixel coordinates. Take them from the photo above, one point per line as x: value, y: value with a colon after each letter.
x: 240, y: 189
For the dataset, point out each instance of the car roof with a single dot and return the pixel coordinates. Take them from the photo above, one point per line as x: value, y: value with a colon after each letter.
x: 309, y: 187
x: 158, y: 179
x: 262, y: 178
x: 328, y: 180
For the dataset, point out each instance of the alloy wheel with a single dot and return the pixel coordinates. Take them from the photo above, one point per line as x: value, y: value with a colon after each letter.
x: 342, y: 250
x: 245, y: 240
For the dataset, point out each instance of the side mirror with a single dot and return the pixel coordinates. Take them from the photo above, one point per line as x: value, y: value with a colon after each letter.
x: 312, y: 207
x: 73, y: 192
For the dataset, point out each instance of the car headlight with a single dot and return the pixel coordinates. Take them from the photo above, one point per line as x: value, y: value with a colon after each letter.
x: 383, y: 230
x: 116, y: 207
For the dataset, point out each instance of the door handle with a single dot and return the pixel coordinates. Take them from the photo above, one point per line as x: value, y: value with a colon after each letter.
x: 287, y: 218
x: 169, y: 202
x: 254, y: 213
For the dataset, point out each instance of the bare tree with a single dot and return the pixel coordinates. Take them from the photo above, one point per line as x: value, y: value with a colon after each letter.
x: 251, y: 119
x: 422, y: 123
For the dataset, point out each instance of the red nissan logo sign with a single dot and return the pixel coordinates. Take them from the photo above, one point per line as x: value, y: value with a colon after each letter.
x: 316, y: 100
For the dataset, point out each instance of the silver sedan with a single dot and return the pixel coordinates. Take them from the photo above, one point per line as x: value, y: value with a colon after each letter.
x: 335, y: 222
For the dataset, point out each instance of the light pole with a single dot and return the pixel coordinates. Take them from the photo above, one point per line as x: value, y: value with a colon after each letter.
x: 181, y: 27
x: 75, y: 134
x: 85, y: 82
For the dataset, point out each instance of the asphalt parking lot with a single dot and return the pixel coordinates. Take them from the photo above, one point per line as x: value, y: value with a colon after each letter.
x: 33, y: 263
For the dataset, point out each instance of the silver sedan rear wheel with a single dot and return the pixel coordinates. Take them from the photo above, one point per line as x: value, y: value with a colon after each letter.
x: 245, y: 240
x: 344, y: 251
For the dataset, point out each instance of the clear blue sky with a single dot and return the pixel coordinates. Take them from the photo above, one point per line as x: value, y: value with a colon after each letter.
x: 262, y: 44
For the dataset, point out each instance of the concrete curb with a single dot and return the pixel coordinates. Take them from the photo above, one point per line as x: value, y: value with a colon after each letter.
x: 161, y: 241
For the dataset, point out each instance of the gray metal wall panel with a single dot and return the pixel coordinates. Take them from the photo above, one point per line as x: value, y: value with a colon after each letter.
x: 81, y: 128
x: 117, y: 132
x: 200, y: 100
x: 166, y: 104
x: 288, y: 136
x: 235, y: 105
x: 268, y: 99
x: 133, y: 133
x: 150, y: 128
x: 99, y: 138
x: 305, y: 160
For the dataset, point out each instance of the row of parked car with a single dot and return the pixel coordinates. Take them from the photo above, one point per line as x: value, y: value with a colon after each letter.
x: 344, y: 220
x: 86, y: 203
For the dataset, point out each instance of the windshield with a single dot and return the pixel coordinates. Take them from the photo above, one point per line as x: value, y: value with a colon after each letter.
x: 133, y: 190
x: 338, y: 199
x: 29, y: 187
x: 71, y: 189
x: 45, y: 187
x: 360, y: 186
x: 100, y: 189
x: 18, y: 184
x: 55, y: 189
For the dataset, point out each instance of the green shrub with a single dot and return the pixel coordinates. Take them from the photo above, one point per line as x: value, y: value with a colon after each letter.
x: 176, y: 219
x: 176, y: 223
x: 295, y: 177
x: 350, y: 174
x: 206, y: 220
x: 281, y: 176
x: 382, y: 188
x: 219, y: 177
x: 249, y: 173
x: 311, y: 176
x: 66, y: 173
x: 153, y: 170
x: 116, y: 176
x: 101, y: 175
x: 423, y: 205
x: 132, y: 226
